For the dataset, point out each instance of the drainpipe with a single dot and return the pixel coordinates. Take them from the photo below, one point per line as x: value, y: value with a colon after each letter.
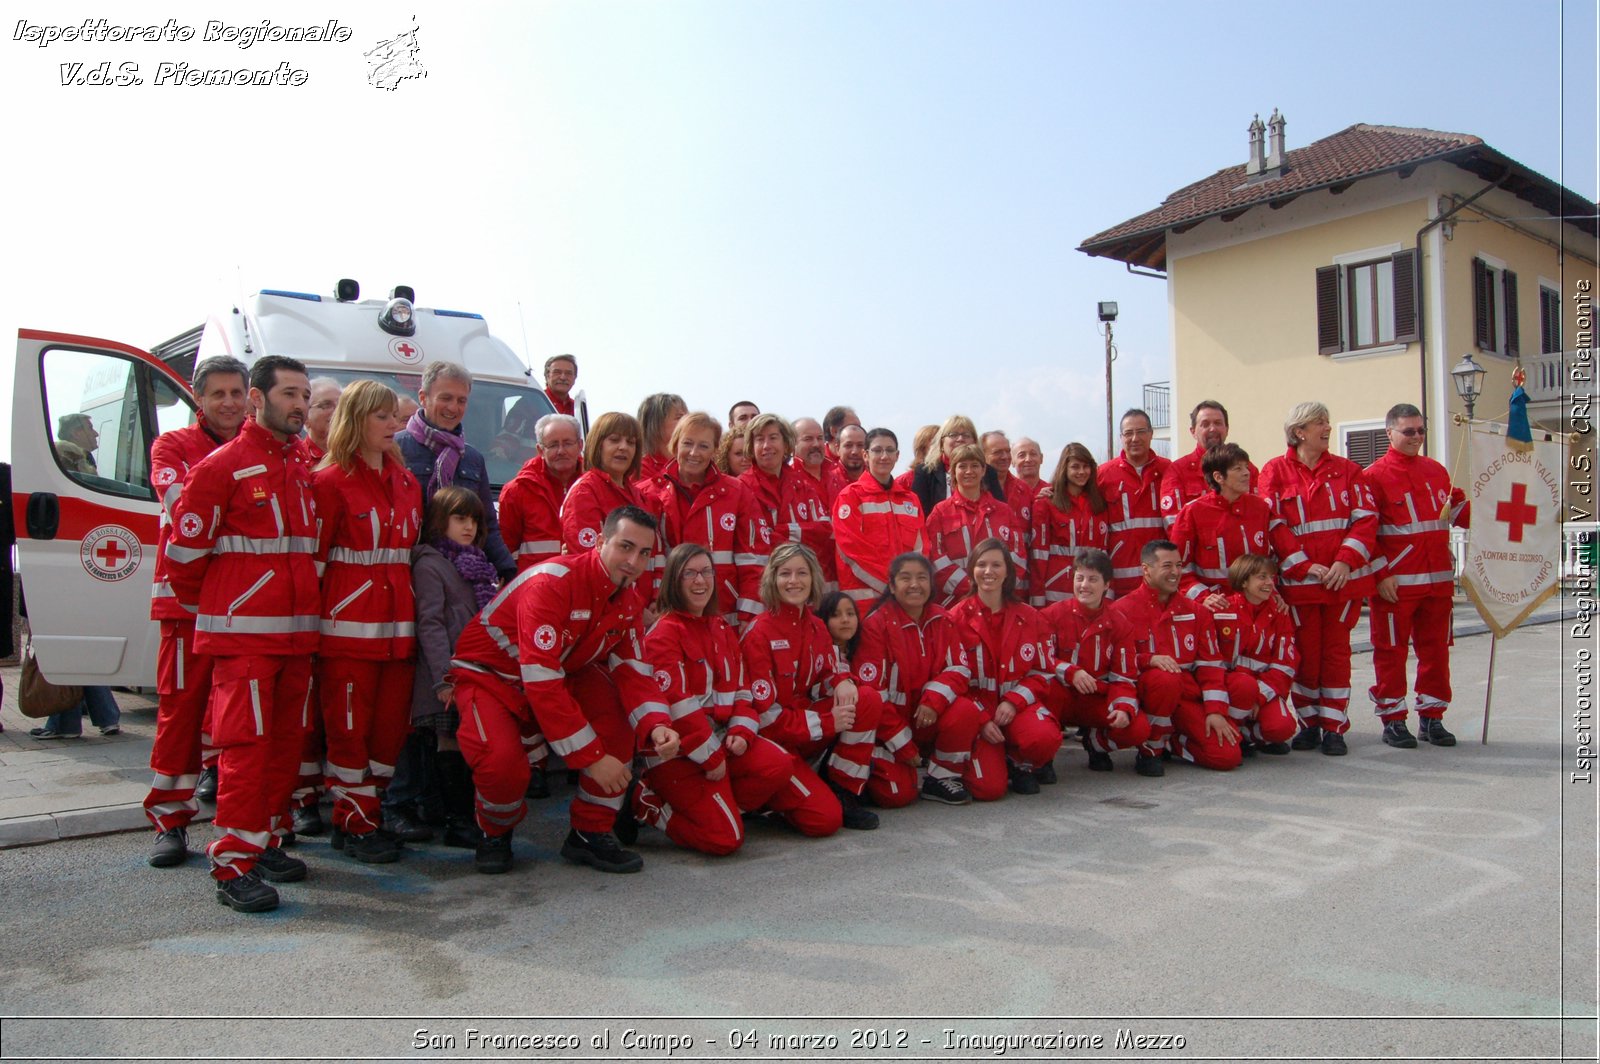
x: 1422, y: 317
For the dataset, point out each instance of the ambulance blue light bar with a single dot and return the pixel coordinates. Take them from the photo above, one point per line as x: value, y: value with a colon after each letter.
x: 291, y: 295
x: 457, y: 314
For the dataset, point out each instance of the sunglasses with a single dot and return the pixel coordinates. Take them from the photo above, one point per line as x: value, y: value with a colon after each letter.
x: 1411, y: 432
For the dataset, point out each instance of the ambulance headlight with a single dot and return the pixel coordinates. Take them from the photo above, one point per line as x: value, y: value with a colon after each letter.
x: 397, y: 318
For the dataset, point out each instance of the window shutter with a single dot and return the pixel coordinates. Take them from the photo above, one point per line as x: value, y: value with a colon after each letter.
x: 1513, y: 347
x: 1549, y: 321
x: 1482, y: 301
x: 1328, y: 341
x: 1365, y: 446
x: 1404, y: 266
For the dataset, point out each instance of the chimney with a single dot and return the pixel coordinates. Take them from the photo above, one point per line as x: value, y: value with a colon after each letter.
x: 1258, y: 154
x: 1275, y: 150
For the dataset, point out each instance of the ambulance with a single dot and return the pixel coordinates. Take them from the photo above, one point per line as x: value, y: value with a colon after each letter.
x: 86, y: 541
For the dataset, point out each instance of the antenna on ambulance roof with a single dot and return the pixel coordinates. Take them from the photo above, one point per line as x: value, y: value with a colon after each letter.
x: 527, y: 356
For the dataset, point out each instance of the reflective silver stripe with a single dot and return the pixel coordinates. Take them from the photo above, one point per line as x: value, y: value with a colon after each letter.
x: 574, y: 742
x: 940, y: 689
x: 538, y: 546
x: 1359, y: 514
x: 473, y: 666
x: 1444, y: 576
x: 750, y: 606
x: 629, y: 663
x: 748, y: 723
x: 1137, y: 522
x: 701, y: 753
x: 683, y: 707
x: 770, y: 715
x: 722, y: 557
x: 644, y: 709
x: 1132, y: 570
x: 897, y: 740
x: 357, y: 593
x: 728, y: 698
x: 750, y: 559
x: 1413, y: 529
x: 1338, y: 525
x: 1365, y: 570
x: 266, y: 545
x: 183, y: 555
x: 1357, y: 546
x: 540, y: 674
x: 849, y: 768
x: 861, y: 574
x: 1214, y: 696
x: 1336, y: 692
x: 385, y: 556
x: 1266, y: 690
x: 162, y: 589
x: 210, y: 622
x: 814, y: 724
x: 1253, y: 664
x: 1299, y: 557
x: 372, y: 630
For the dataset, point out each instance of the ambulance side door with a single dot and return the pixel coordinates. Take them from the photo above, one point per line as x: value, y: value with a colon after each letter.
x: 84, y: 414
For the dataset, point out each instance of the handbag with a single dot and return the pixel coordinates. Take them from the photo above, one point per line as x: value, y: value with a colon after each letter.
x: 38, y: 697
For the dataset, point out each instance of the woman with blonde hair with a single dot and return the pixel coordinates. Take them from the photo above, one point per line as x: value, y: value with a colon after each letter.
x: 801, y: 688
x: 659, y: 415
x: 967, y: 517
x: 1069, y: 518
x: 369, y: 507
x: 790, y: 500
x: 611, y: 455
x: 930, y: 478
x: 1325, y: 501
x: 733, y: 453
x: 695, y: 503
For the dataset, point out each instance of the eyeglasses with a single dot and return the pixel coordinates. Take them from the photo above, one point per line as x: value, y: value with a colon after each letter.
x: 697, y: 575
x: 879, y: 452
x: 958, y: 436
x: 1129, y: 434
x: 1410, y: 432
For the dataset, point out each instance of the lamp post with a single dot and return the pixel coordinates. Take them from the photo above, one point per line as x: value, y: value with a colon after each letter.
x: 1108, y: 314
x: 1468, y: 377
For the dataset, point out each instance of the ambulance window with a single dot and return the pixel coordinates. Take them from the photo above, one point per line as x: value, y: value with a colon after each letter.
x: 98, y: 431
x: 172, y: 410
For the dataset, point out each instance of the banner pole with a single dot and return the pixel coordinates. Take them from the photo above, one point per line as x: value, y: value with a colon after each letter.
x: 1488, y: 694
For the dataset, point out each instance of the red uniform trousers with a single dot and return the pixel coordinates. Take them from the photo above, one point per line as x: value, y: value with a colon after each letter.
x: 1177, y: 715
x: 849, y: 764
x: 258, y: 707
x: 491, y: 739
x: 947, y: 742
x: 695, y: 812
x: 1032, y: 739
x: 313, y: 754
x: 366, y: 713
x: 1093, y: 714
x: 1260, y: 717
x: 1321, y: 690
x: 1423, y: 622
x: 768, y: 777
x: 183, y: 680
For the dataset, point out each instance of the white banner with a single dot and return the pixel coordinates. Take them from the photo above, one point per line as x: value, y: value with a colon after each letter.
x: 1514, y: 550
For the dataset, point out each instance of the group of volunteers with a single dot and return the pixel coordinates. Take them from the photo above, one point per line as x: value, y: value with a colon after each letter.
x: 714, y: 625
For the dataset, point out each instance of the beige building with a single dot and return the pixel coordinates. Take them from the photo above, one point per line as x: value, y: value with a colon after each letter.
x: 1358, y: 271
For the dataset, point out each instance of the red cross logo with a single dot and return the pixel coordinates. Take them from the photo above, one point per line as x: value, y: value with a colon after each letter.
x: 406, y: 349
x: 1516, y: 512
x: 110, y: 553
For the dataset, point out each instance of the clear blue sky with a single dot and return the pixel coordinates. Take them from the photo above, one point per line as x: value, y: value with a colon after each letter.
x: 799, y: 203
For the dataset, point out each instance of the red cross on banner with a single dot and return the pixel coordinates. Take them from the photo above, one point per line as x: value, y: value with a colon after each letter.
x: 1516, y: 512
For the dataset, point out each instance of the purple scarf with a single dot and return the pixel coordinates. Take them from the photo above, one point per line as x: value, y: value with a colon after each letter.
x: 474, y: 567
x: 447, y: 447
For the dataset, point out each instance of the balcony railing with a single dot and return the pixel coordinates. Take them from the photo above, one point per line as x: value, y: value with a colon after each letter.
x: 1577, y: 537
x: 1158, y: 404
x: 1550, y: 373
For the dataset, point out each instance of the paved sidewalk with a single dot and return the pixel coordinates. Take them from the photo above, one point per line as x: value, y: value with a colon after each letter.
x: 72, y: 788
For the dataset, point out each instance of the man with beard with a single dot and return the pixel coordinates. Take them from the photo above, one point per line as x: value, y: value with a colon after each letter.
x: 811, y: 458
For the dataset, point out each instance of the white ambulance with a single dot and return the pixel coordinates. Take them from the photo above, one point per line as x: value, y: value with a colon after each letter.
x: 86, y: 540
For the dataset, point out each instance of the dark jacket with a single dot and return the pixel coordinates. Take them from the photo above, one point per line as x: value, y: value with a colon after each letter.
x: 445, y: 603
x: 933, y: 488
x: 472, y: 473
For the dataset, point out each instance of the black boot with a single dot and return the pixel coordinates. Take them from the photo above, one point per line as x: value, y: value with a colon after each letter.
x: 855, y: 817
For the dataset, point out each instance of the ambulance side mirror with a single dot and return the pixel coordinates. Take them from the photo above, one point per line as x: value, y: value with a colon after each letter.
x: 43, y: 515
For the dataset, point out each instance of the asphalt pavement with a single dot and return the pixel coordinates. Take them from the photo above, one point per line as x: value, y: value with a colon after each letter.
x: 1392, y: 904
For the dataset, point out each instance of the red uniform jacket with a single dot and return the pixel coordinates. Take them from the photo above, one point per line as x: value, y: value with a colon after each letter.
x: 530, y: 513
x: 1260, y: 640
x: 583, y: 512
x: 172, y: 456
x: 955, y: 526
x: 795, y: 510
x: 722, y: 516
x: 652, y: 466
x: 913, y: 663
x: 830, y: 484
x: 1020, y: 498
x: 1331, y: 513
x: 700, y: 673
x: 1211, y: 533
x: 562, y: 405
x: 1182, y: 630
x: 560, y: 616
x: 1058, y: 536
x: 244, y: 548
x: 370, y: 519
x: 792, y: 663
x: 1416, y: 506
x: 1183, y: 483
x: 1009, y: 653
x: 872, y: 524
x: 1099, y: 643
x: 1133, y: 511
